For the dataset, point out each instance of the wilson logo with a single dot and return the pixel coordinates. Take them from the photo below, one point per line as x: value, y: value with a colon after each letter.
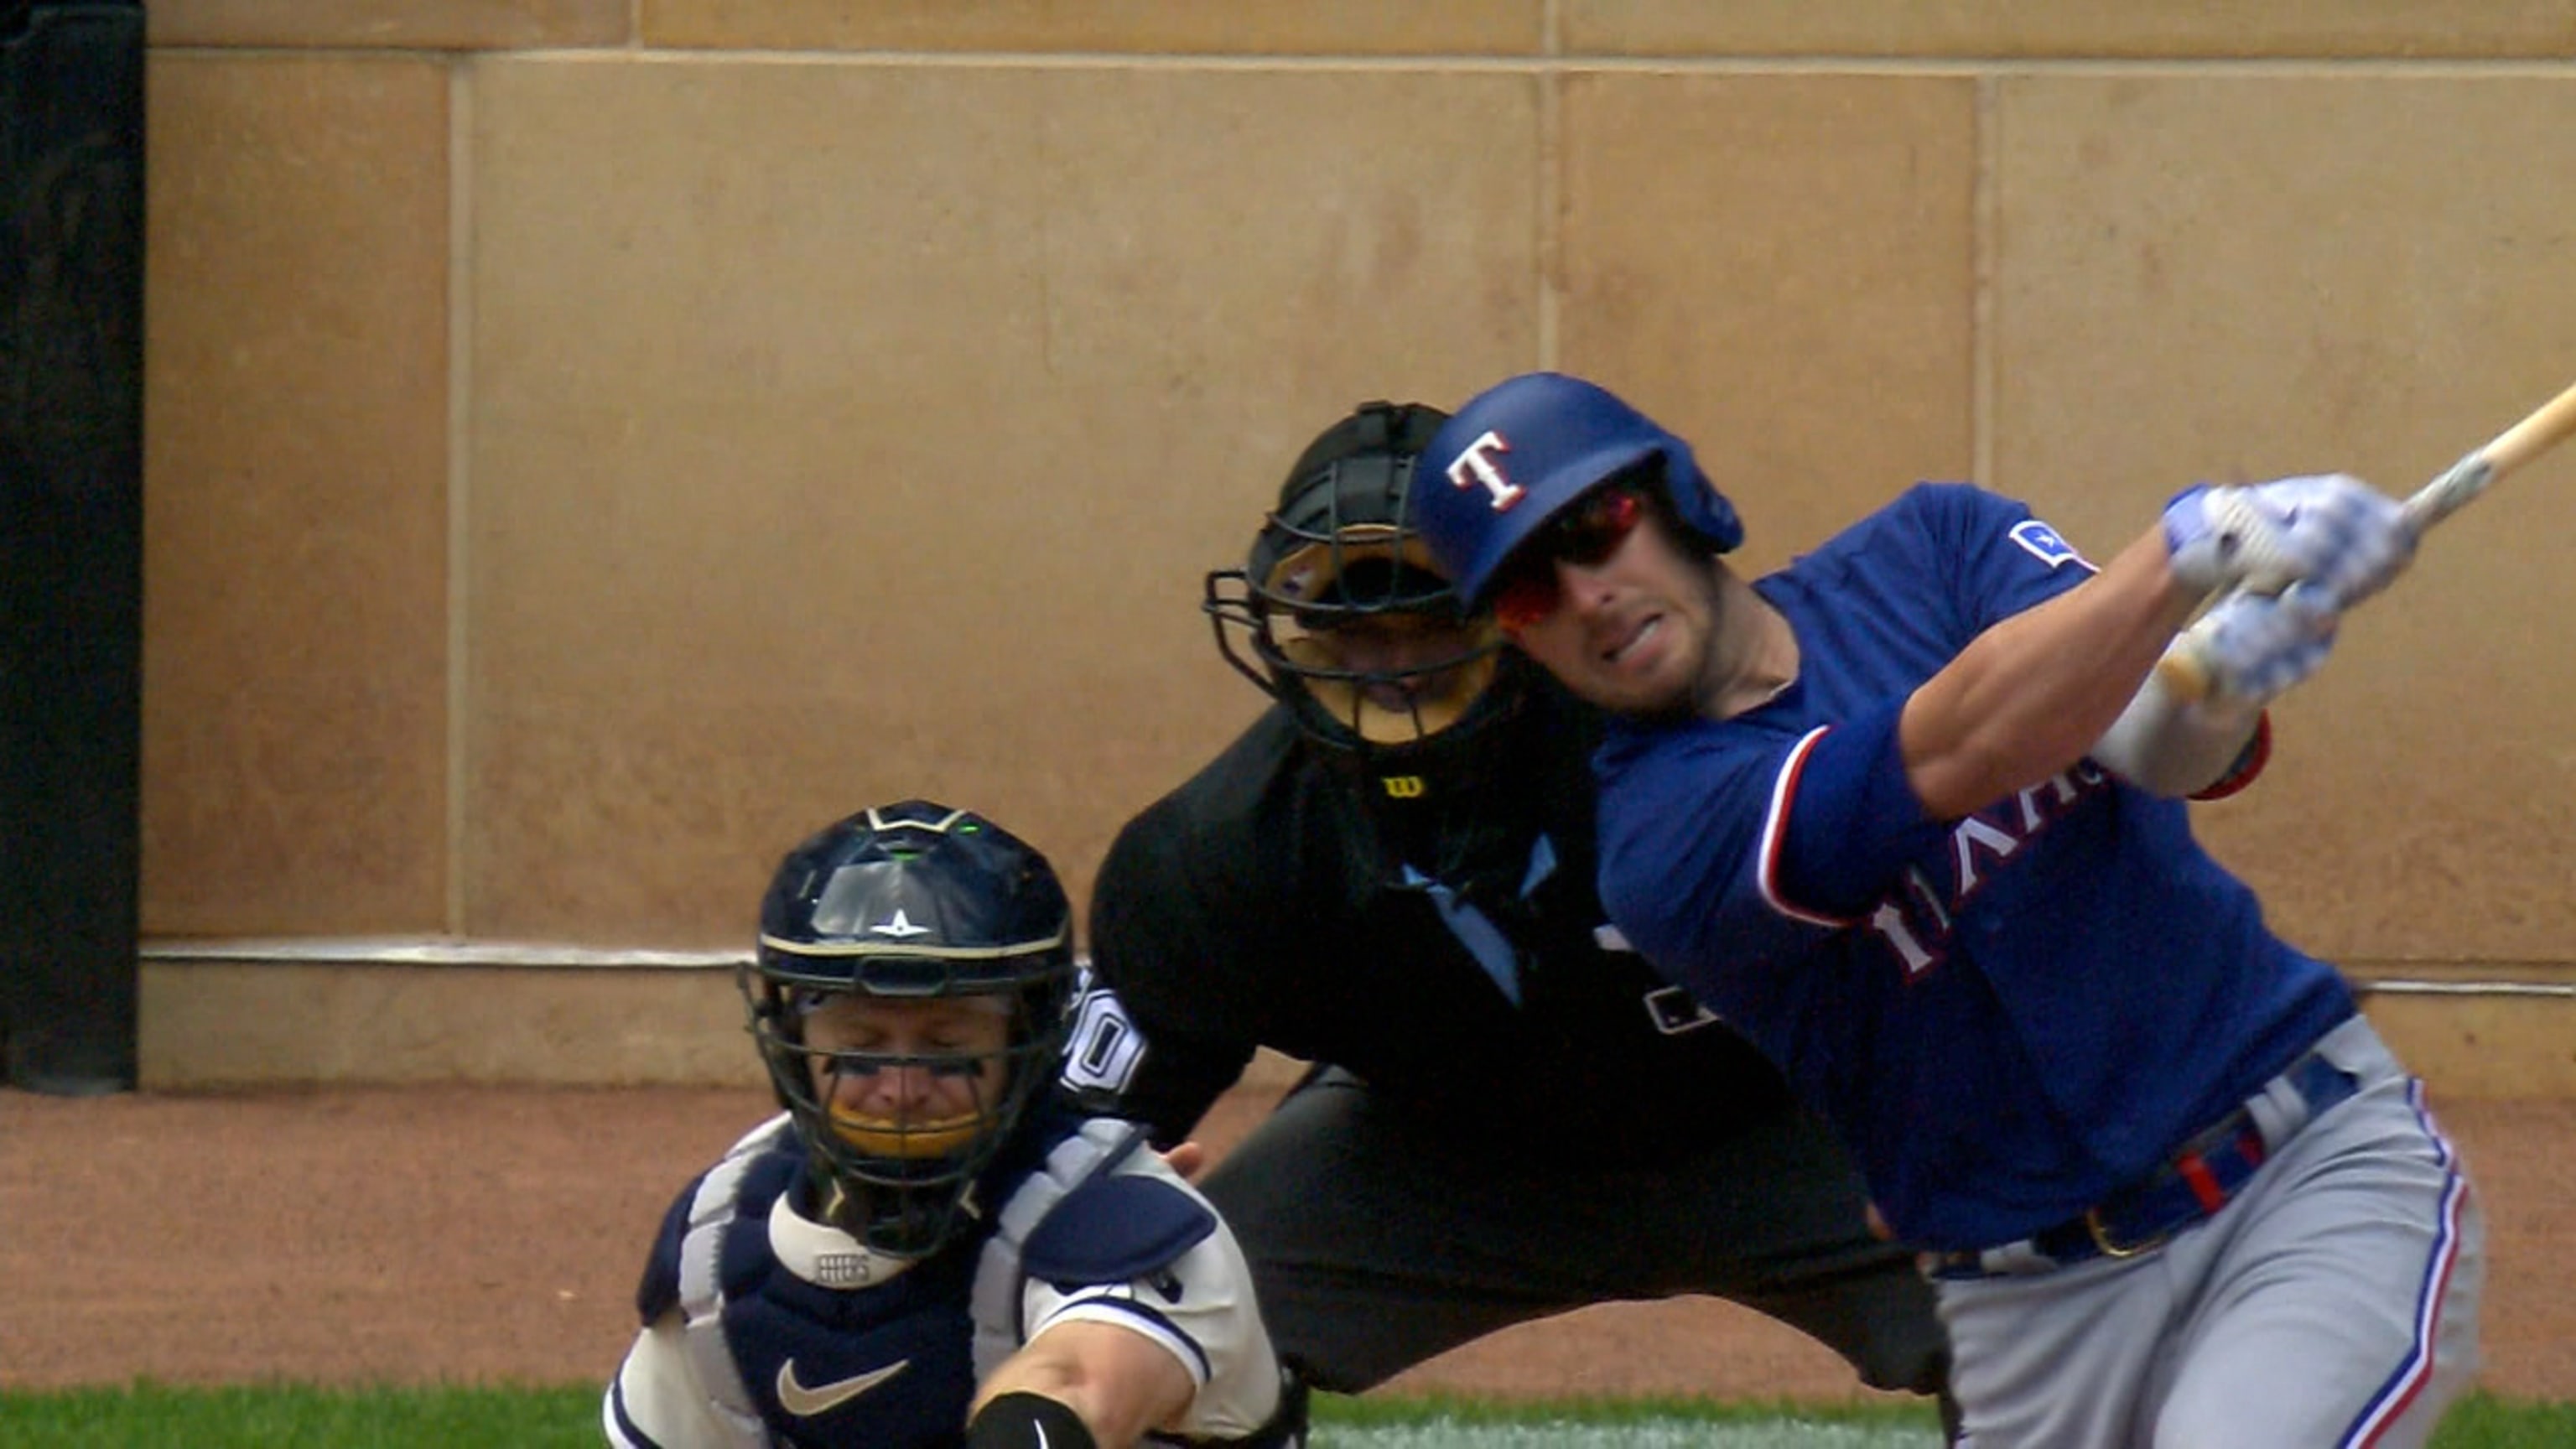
x: 1402, y: 787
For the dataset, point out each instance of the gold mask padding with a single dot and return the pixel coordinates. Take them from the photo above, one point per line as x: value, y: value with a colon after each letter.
x: 1305, y: 573
x: 1435, y: 702
x: 1431, y: 701
x: 886, y: 1137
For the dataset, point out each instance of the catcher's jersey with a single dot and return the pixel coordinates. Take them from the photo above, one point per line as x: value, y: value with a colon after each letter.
x: 814, y: 1341
x: 2005, y: 1015
x: 1468, y: 975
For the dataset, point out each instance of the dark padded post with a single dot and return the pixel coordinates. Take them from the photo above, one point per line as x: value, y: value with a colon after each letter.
x: 71, y: 535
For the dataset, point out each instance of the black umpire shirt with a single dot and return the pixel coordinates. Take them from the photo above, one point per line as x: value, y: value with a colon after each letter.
x: 1266, y: 902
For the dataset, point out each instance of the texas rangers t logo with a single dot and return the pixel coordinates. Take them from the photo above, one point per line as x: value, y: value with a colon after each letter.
x: 1478, y: 465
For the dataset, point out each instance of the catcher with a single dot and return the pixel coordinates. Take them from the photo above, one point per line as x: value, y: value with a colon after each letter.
x: 928, y: 1248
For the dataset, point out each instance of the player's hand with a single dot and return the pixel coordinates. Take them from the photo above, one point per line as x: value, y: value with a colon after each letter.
x: 2332, y: 530
x: 2257, y: 645
x: 1186, y: 1158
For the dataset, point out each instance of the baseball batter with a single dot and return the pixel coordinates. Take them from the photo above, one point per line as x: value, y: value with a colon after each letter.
x: 1391, y: 872
x: 926, y: 1251
x: 1903, y: 813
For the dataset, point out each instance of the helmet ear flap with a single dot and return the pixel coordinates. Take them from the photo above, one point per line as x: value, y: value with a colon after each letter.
x: 1699, y: 507
x: 1688, y: 502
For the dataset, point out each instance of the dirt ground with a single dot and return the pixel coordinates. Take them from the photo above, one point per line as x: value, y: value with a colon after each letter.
x: 458, y: 1234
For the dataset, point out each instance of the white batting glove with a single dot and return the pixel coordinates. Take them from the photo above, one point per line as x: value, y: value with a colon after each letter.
x: 2333, y: 530
x: 2256, y: 646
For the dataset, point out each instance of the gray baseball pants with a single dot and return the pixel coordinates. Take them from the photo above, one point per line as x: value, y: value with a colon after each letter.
x: 2332, y: 1302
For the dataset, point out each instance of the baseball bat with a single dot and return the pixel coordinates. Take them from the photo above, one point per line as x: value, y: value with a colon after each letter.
x: 2185, y: 667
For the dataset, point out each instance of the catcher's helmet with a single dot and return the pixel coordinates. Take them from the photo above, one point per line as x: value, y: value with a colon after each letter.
x: 1339, y: 557
x: 1523, y: 449
x: 909, y: 902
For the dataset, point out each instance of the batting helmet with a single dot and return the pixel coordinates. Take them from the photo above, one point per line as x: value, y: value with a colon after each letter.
x: 1523, y: 449
x: 1338, y: 550
x: 905, y: 903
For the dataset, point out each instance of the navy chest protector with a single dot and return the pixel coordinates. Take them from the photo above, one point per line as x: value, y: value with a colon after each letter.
x: 893, y: 1364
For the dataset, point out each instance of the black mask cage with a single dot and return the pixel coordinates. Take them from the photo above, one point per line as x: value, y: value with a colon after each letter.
x: 909, y: 903
x: 1338, y: 613
x: 899, y: 1184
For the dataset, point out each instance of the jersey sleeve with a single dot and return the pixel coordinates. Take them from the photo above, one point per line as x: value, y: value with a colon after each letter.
x: 655, y: 1402
x: 1842, y: 822
x: 1682, y: 819
x: 1843, y: 819
x: 2004, y: 559
x: 1161, y: 1031
x: 1199, y: 1308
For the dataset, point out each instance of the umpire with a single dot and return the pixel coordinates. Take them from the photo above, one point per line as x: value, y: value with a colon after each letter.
x: 1391, y: 874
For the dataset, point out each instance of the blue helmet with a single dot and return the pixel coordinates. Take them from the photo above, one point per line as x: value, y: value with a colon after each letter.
x: 1523, y: 449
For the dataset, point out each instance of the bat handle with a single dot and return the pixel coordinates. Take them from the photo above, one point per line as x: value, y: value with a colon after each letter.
x: 2446, y: 495
x: 2547, y: 425
x: 2184, y: 668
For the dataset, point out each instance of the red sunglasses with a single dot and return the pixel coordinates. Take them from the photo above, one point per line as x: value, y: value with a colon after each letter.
x: 1526, y: 590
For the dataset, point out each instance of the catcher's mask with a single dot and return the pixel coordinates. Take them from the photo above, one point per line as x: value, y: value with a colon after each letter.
x: 927, y: 943
x: 1340, y: 614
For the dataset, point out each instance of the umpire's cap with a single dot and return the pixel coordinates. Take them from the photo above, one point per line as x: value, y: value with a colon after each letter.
x: 1523, y: 449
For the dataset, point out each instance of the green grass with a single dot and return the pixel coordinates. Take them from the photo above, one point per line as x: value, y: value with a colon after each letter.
x: 145, y: 1415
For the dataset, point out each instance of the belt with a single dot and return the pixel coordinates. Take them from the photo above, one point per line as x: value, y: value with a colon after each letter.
x: 2201, y: 1177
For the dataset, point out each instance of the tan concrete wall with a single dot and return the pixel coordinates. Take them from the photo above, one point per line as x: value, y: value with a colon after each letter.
x: 591, y: 442
x: 223, y: 1023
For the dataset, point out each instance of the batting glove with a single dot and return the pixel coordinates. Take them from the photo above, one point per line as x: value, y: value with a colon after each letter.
x: 2257, y: 645
x: 2332, y: 530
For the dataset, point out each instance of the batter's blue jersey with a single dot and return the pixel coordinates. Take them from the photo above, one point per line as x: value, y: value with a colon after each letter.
x: 2007, y: 1015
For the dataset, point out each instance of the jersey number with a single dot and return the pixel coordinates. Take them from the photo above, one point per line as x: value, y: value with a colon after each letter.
x: 1105, y: 1047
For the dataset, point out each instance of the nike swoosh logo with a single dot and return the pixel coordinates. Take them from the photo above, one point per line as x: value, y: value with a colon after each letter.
x: 805, y: 1403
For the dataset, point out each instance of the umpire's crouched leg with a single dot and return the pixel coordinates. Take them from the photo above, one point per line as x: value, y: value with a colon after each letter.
x: 1376, y: 1242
